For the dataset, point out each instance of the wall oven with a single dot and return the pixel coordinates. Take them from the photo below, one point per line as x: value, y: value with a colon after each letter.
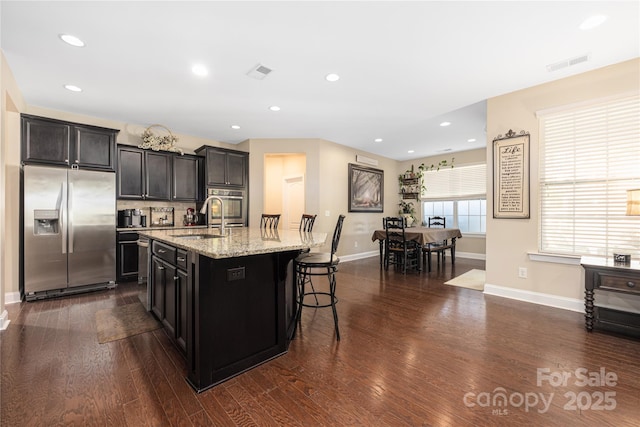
x: 235, y: 207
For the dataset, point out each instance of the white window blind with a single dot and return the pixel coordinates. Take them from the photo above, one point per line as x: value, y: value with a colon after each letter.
x: 460, y: 182
x: 589, y: 157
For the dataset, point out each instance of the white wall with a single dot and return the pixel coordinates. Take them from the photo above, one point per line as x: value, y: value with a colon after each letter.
x: 509, y: 240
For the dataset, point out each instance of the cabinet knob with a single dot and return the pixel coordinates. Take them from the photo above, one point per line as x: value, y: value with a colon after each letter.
x: 160, y: 268
x: 631, y: 284
x: 66, y: 160
x: 77, y: 161
x: 175, y: 278
x: 162, y: 251
x: 182, y: 259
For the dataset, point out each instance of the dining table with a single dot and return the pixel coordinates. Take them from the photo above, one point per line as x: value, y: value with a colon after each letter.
x: 422, y: 235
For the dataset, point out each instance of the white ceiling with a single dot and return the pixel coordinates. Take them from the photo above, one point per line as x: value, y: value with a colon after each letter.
x: 404, y: 66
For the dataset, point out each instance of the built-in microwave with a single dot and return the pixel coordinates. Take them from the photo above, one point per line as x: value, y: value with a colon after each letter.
x: 235, y: 207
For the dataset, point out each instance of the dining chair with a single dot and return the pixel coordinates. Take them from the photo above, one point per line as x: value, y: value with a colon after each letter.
x: 399, y: 251
x: 314, y: 264
x: 269, y: 220
x: 438, y: 248
x: 306, y: 222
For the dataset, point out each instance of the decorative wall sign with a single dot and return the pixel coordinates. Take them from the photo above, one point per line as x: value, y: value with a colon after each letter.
x: 366, y: 189
x: 511, y: 175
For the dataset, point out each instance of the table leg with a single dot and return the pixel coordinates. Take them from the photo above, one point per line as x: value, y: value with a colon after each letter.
x: 381, y: 254
x: 588, y: 309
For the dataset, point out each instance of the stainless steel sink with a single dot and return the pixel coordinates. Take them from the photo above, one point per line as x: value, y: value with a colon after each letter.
x: 198, y: 236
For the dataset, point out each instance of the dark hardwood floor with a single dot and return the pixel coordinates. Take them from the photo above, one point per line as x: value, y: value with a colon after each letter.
x: 413, y: 352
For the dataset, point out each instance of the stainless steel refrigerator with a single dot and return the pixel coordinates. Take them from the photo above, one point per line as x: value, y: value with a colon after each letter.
x: 69, y: 231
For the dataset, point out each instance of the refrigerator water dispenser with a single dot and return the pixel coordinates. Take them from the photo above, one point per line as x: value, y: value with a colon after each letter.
x: 46, y: 221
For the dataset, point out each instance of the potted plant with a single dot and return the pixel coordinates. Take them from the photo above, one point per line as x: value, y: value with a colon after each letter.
x: 408, y: 211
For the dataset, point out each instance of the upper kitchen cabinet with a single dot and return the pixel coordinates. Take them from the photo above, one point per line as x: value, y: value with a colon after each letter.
x: 56, y: 142
x: 187, y: 178
x: 225, y: 168
x: 143, y: 175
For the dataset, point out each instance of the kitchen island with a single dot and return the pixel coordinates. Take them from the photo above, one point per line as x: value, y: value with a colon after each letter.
x: 227, y: 302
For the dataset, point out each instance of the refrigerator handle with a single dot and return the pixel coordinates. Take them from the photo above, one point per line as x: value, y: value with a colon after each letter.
x: 63, y: 216
x: 70, y: 215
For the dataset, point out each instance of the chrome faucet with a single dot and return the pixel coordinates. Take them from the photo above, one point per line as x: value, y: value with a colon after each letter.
x: 204, y: 211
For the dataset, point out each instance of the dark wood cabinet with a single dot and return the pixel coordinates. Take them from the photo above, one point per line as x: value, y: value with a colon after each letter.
x: 225, y: 168
x: 188, y: 178
x: 56, y: 142
x: 169, y: 290
x: 127, y: 256
x: 157, y: 175
x: 623, y: 279
x: 143, y: 175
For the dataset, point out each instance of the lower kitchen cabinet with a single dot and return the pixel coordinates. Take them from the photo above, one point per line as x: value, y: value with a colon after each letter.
x: 127, y: 256
x: 169, y: 290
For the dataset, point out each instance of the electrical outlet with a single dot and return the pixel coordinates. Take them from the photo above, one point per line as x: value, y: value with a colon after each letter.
x: 327, y: 213
x: 355, y: 244
x: 522, y: 272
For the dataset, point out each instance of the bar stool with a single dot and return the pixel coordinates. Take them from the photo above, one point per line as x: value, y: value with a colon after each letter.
x: 311, y: 264
x: 306, y: 222
x: 269, y: 220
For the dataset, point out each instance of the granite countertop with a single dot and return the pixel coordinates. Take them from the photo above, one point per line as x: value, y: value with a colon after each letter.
x: 172, y: 227
x: 240, y: 241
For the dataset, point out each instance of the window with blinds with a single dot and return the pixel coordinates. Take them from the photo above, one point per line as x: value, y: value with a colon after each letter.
x: 460, y: 182
x: 589, y: 157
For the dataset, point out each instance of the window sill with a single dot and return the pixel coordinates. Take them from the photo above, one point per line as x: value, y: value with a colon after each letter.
x: 554, y: 258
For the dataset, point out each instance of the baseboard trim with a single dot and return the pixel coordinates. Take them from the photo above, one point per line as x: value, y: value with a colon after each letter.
x: 4, y: 320
x: 12, y: 297
x: 572, y: 304
x: 363, y: 255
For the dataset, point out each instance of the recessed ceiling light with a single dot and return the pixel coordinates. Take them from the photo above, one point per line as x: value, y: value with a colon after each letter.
x: 274, y: 108
x: 592, y: 22
x: 377, y: 140
x: 235, y: 127
x: 72, y: 40
x: 411, y: 151
x: 471, y: 140
x: 199, y: 70
x: 332, y: 77
x: 73, y: 88
x: 443, y: 124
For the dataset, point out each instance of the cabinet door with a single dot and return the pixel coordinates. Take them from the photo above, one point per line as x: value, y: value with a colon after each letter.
x: 94, y: 148
x: 157, y: 176
x: 185, y: 178
x: 130, y: 173
x: 170, y: 299
x: 45, y: 141
x: 181, y: 315
x: 127, y: 257
x: 157, y: 280
x: 216, y: 168
x: 236, y: 169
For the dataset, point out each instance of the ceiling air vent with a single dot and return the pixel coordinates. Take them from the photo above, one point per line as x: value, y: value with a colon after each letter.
x: 259, y: 72
x: 567, y: 63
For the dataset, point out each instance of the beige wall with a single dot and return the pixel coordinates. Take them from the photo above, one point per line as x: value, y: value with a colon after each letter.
x: 326, y: 187
x: 472, y: 246
x: 12, y: 104
x: 509, y: 240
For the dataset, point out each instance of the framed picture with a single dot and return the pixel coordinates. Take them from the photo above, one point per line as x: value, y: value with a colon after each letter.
x: 366, y: 189
x: 511, y: 175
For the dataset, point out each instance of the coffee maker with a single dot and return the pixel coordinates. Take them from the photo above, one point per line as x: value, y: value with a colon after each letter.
x: 191, y: 218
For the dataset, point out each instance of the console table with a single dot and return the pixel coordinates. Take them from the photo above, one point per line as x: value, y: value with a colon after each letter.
x: 605, y: 274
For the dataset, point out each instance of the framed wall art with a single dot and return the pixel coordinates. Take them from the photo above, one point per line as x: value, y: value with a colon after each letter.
x: 366, y: 189
x: 511, y: 175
